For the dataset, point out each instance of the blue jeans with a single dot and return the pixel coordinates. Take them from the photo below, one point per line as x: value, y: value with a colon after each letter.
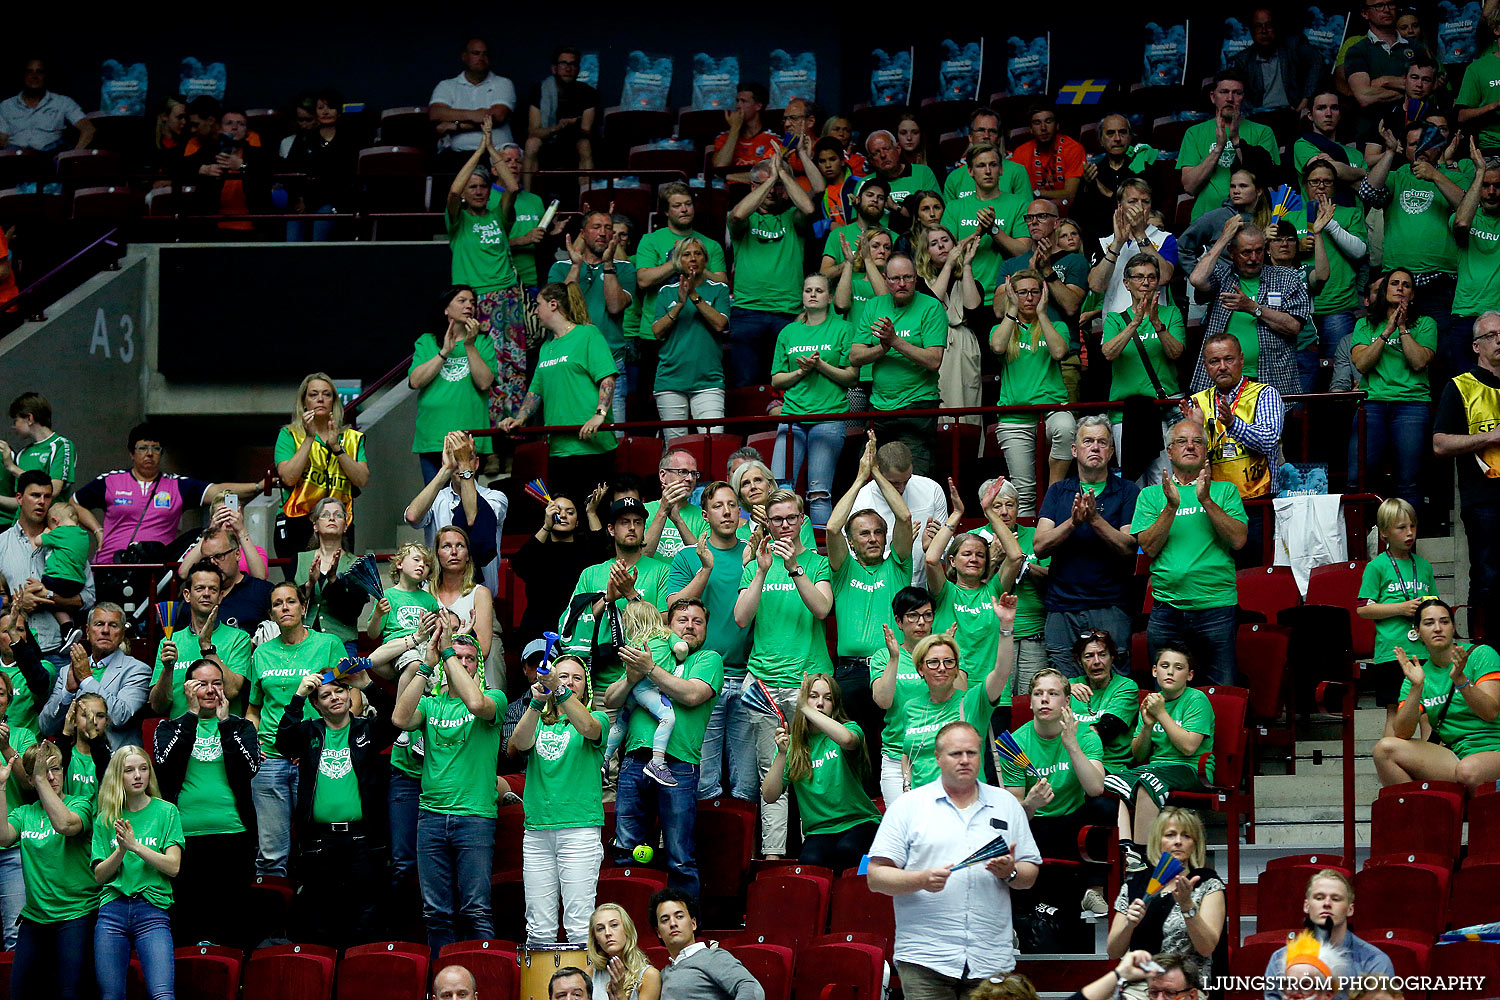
x: 54, y: 959
x: 1397, y: 430
x: 12, y: 894
x: 431, y: 462
x: 454, y: 858
x: 274, y: 792
x: 401, y: 804
x: 752, y: 335
x: 1064, y: 627
x: 637, y: 797
x: 1209, y: 632
x: 819, y: 445
x: 322, y: 230
x: 729, y: 726
x: 121, y: 924
x: 1333, y: 328
x: 617, y: 404
x: 1455, y: 345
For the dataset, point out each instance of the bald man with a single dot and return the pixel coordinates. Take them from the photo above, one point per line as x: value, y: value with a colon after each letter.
x: 454, y: 982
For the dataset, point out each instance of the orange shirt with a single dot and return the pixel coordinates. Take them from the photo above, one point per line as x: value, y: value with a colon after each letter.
x: 8, y: 287
x: 232, y: 200
x: 1048, y: 170
x: 750, y: 149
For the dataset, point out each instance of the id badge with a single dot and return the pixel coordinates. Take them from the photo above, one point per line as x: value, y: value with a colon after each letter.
x: 1273, y: 300
x: 1229, y: 451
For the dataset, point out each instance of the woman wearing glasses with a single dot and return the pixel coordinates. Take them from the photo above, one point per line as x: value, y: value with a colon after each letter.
x: 894, y: 681
x: 1344, y: 248
x: 1107, y: 701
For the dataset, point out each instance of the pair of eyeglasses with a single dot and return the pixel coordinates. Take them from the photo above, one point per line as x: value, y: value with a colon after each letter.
x: 919, y: 616
x: 1040, y: 216
x: 684, y: 473
x: 780, y: 521
x: 1094, y: 633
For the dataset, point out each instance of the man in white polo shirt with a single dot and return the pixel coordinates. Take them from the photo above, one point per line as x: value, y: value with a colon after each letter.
x: 459, y: 105
x: 924, y: 497
x: 36, y: 117
x: 953, y: 929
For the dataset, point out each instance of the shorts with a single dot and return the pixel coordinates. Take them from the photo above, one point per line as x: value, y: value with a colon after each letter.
x: 1388, y: 677
x: 1159, y: 781
x: 61, y: 586
x: 1473, y: 745
x: 410, y: 656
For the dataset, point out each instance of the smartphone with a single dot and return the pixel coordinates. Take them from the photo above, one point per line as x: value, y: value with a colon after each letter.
x: 232, y: 501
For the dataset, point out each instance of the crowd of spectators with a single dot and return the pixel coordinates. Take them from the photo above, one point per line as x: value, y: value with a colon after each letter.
x: 675, y: 642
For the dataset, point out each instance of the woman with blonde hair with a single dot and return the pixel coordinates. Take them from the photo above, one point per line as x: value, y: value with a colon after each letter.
x: 561, y: 849
x: 316, y: 456
x: 575, y: 368
x: 863, y: 275
x: 946, y: 266
x: 333, y: 605
x: 621, y: 969
x: 823, y: 757
x: 691, y: 319
x: 136, y: 852
x: 453, y: 585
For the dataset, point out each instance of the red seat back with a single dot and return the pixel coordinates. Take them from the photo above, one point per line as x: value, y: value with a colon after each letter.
x: 1312, y: 860
x: 1266, y: 590
x: 1338, y: 584
x: 1473, y: 899
x: 633, y: 895
x: 494, y: 970
x: 711, y: 450
x: 1231, y: 704
x: 852, y: 969
x: 1260, y: 652
x: 1416, y: 893
x: 1414, y: 822
x: 770, y: 964
x: 287, y: 976
x: 390, y: 975
x: 1484, y: 828
x: 1464, y: 958
x: 204, y: 976
x: 731, y: 829
x: 1250, y: 959
x: 1278, y: 898
x: 855, y: 908
x: 788, y: 904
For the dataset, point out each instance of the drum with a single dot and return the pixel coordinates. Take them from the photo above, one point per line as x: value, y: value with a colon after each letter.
x: 539, y: 963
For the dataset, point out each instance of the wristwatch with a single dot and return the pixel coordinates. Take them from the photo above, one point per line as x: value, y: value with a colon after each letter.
x: 994, y: 229
x: 1258, y: 311
x: 466, y: 474
x: 600, y: 412
x: 1014, y: 873
x: 799, y: 571
x: 208, y: 650
x: 1190, y: 913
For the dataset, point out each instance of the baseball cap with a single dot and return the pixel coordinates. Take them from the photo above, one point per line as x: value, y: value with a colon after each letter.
x: 535, y: 647
x: 626, y: 505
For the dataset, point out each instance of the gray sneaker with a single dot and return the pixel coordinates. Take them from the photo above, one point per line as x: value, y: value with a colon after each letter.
x: 658, y: 772
x: 1093, y: 902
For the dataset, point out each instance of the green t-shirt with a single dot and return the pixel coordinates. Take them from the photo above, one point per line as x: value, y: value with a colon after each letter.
x: 671, y: 541
x: 458, y: 767
x: 724, y: 637
x: 1392, y: 379
x: 1338, y: 293
x: 406, y: 612
x: 1478, y: 266
x: 1302, y: 151
x: 562, y: 776
x: 1389, y: 580
x: 1195, y: 568
x: 1243, y: 326
x: 1481, y: 86
x: 961, y: 218
x: 1417, y: 234
x: 922, y: 718
x: 336, y: 789
x: 59, y: 880
x: 481, y: 248
x: 1051, y: 761
x: 1034, y: 377
x: 1195, y: 143
x: 790, y: 641
x: 1072, y: 269
x: 157, y: 826
x: 862, y: 601
x: 277, y: 669
x: 528, y: 211
x: 1128, y: 374
x: 591, y: 279
x: 650, y: 583
x: 26, y: 704
x: 656, y: 246
x: 832, y: 798
x: 568, y: 372
x: 686, y: 743
x: 1121, y: 698
x: 909, y: 686
x: 901, y: 383
x: 768, y: 261
x: 916, y: 177
x: 692, y: 357
x: 978, y: 630
x: 82, y: 777
x: 1464, y: 732
x: 816, y: 392
x: 206, y: 804
x: 54, y: 455
x: 233, y: 645
x: 67, y: 548
x: 450, y: 402
x: 960, y: 183
x: 833, y: 245
x: 1193, y: 712
x: 1031, y: 614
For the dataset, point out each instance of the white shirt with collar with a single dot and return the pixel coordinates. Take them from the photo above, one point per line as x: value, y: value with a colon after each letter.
x: 1117, y: 296
x: 21, y: 559
x: 689, y: 951
x: 925, y: 498
x: 460, y: 93
x: 41, y: 127
x: 964, y: 931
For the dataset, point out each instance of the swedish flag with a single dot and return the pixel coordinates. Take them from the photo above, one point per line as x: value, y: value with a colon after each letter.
x: 1082, y: 91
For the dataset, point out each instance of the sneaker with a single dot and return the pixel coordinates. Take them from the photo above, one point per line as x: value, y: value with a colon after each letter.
x: 658, y: 772
x: 1134, y: 860
x: 510, y: 799
x: 1093, y: 902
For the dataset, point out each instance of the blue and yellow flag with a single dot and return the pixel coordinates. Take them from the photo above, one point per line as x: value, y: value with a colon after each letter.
x: 1088, y: 91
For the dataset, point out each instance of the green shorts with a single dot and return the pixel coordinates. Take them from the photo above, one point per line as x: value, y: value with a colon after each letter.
x: 1475, y: 744
x: 1158, y: 781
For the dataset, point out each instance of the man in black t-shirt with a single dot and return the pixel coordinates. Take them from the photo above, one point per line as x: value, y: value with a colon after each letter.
x: 246, y: 601
x: 561, y: 117
x: 1467, y: 427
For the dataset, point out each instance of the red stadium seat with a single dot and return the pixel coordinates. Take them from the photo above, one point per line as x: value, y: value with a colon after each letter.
x: 1267, y: 590
x: 788, y: 866
x: 493, y: 968
x: 381, y: 975
x: 16, y: 207
x: 655, y: 876
x: 640, y: 454
x: 770, y: 964
x: 657, y: 956
x: 1418, y: 894
x: 1464, y: 958
x: 268, y: 123
x: 108, y: 204
x: 1261, y: 652
x: 510, y: 822
x: 633, y: 895
x: 530, y: 461
x: 392, y: 179
x: 21, y: 166
x: 631, y: 201
x: 702, y: 125
x: 389, y: 948
x: 85, y: 167
x: 1278, y: 898
x: 1484, y: 829
x: 855, y: 908
x: 1414, y: 822
x: 649, y: 156
x: 787, y: 904
x: 508, y: 898
x: 624, y: 128
x: 730, y: 826
x: 1473, y: 899
x: 1250, y: 959
x: 206, y: 972
x: 289, y: 972
x: 853, y: 970
x: 1312, y: 861
x: 871, y: 938
x: 1337, y: 584
x: 1409, y: 958
x: 749, y: 401
x: 406, y: 127
x: 712, y: 451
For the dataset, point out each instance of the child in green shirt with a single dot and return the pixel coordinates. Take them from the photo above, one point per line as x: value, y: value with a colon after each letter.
x: 399, y: 612
x: 1395, y: 582
x: 68, y: 548
x: 643, y: 627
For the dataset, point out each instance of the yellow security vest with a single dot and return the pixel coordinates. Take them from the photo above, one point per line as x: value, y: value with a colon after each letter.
x: 324, y: 476
x: 1229, y: 461
x: 1482, y: 409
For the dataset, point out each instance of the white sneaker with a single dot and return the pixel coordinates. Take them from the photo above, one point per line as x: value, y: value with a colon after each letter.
x: 1093, y: 902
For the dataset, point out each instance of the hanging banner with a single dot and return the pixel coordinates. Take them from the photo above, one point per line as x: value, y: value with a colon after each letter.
x: 648, y: 79
x: 1165, y: 61
x: 1236, y: 40
x: 715, y: 81
x: 1456, y: 31
x: 197, y: 79
x: 588, y: 69
x: 793, y: 74
x: 890, y: 77
x: 1325, y: 34
x: 1028, y: 67
x: 960, y: 69
x: 122, y: 88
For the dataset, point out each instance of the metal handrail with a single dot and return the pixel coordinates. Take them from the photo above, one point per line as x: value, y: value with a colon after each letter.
x: 351, y: 409
x: 33, y: 291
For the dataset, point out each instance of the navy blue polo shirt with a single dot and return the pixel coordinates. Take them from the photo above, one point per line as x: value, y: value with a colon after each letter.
x: 1086, y: 572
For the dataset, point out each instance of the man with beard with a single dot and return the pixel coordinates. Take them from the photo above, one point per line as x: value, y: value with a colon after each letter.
x: 561, y: 111
x: 869, y: 213
x: 692, y: 687
x: 1329, y: 903
x: 607, y: 285
x: 1211, y: 149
